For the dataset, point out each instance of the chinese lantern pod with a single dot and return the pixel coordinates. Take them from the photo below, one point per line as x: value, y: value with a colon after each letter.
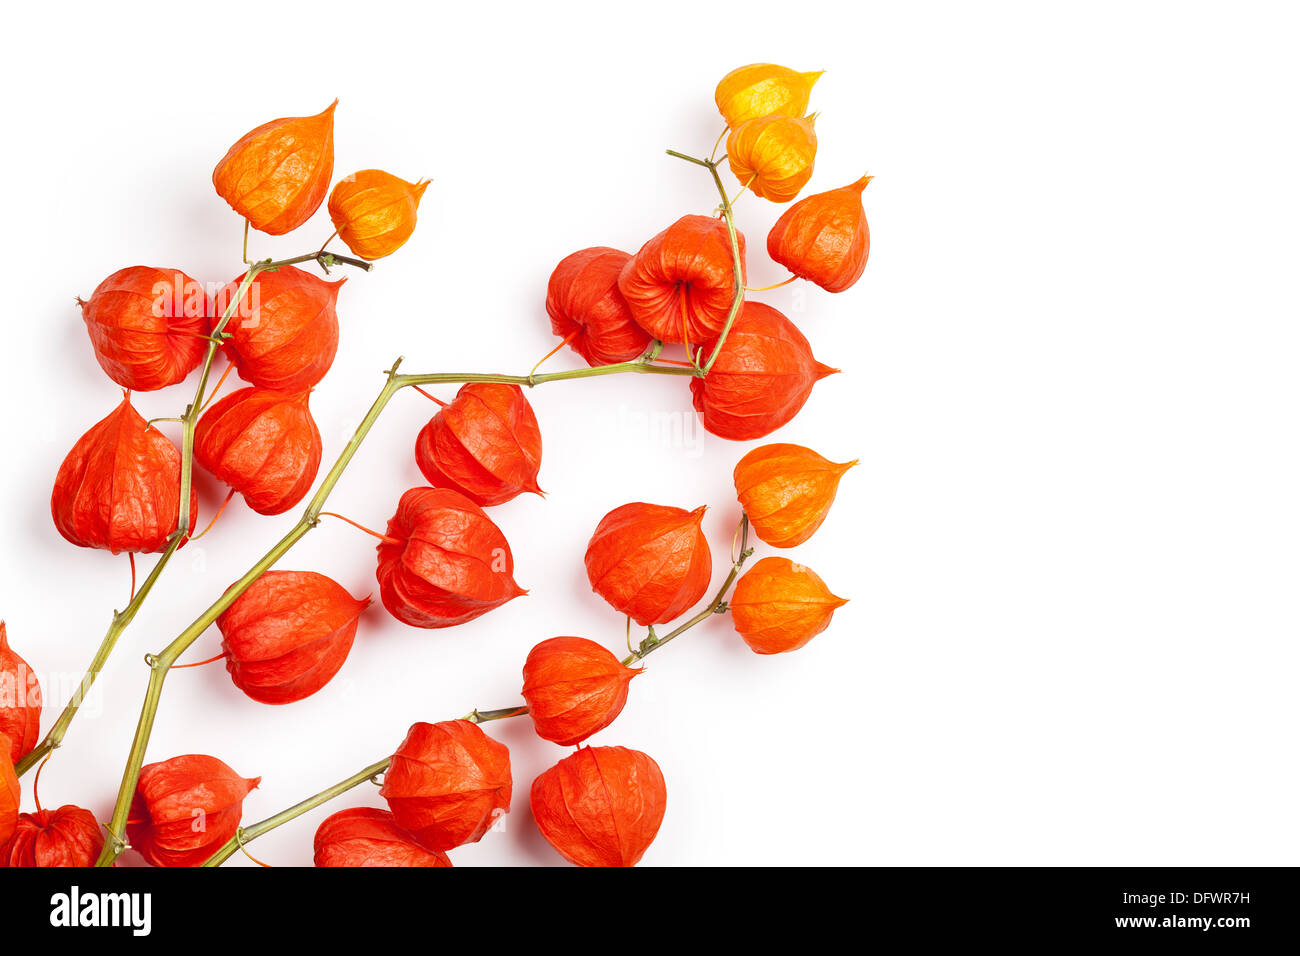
x: 650, y: 562
x: 574, y: 687
x: 277, y: 175
x: 448, y: 783
x: 262, y: 443
x: 147, y: 325
x: 773, y: 156
x: 288, y: 635
x: 601, y: 806
x: 10, y: 792
x: 368, y: 836
x: 787, y: 491
x: 20, y: 702
x: 763, y: 89
x: 446, y: 562
x: 763, y: 375
x: 120, y: 487
x: 185, y: 808
x: 284, y: 333
x: 485, y: 444
x: 780, y: 606
x: 824, y: 238
x: 588, y: 310
x: 68, y: 836
x: 375, y: 212
x: 680, y: 285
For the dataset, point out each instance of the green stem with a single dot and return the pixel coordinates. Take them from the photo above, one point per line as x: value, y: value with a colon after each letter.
x: 246, y: 835
x: 477, y: 716
x: 716, y: 606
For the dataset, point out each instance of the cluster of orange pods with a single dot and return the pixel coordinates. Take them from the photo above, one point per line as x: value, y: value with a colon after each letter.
x: 442, y: 560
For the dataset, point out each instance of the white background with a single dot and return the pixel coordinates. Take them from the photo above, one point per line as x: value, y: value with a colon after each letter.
x: 1069, y: 372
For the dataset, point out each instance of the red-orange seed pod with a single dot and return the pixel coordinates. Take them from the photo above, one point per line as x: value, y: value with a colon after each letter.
x: 589, y: 312
x: 485, y: 444
x: 185, y: 808
x: 374, y: 211
x: 764, y: 374
x: 10, y: 792
x: 681, y: 283
x: 276, y: 175
x: 147, y: 326
x: 68, y: 836
x: 120, y: 487
x: 285, y: 331
x: 262, y: 443
x: 787, y: 491
x: 574, y: 687
x: 448, y: 783
x: 601, y: 806
x: 288, y: 635
x: 445, y: 562
x: 780, y: 606
x: 368, y: 836
x: 650, y: 562
x: 824, y: 238
x: 20, y: 701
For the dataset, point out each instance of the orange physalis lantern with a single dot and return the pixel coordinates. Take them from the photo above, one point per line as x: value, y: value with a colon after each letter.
x: 786, y: 490
x: 276, y: 176
x: 574, y: 687
x: 764, y: 373
x: 824, y: 238
x: 262, y: 443
x: 589, y: 312
x: 773, y: 155
x: 780, y: 606
x: 681, y: 283
x: 285, y: 332
x: 601, y: 806
x: 374, y: 211
x: 650, y: 562
x: 147, y: 326
x: 763, y: 89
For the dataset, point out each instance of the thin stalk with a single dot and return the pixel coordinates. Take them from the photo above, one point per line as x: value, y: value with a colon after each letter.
x: 245, y: 835
x: 653, y: 642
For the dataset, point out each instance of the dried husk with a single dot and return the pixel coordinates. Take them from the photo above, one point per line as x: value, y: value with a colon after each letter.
x: 587, y: 308
x: 451, y: 563
x: 680, y: 285
x: 780, y: 606
x: 264, y: 444
x: 485, y: 444
x: 119, y: 488
x: 287, y: 635
x: 146, y: 326
x: 375, y: 212
x: 185, y: 808
x: 285, y: 332
x: 276, y: 175
x: 574, y: 687
x: 650, y: 562
x: 601, y: 806
x: 824, y: 238
x: 787, y: 491
x: 764, y: 374
x: 448, y: 783
x: 368, y: 836
x: 68, y: 836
